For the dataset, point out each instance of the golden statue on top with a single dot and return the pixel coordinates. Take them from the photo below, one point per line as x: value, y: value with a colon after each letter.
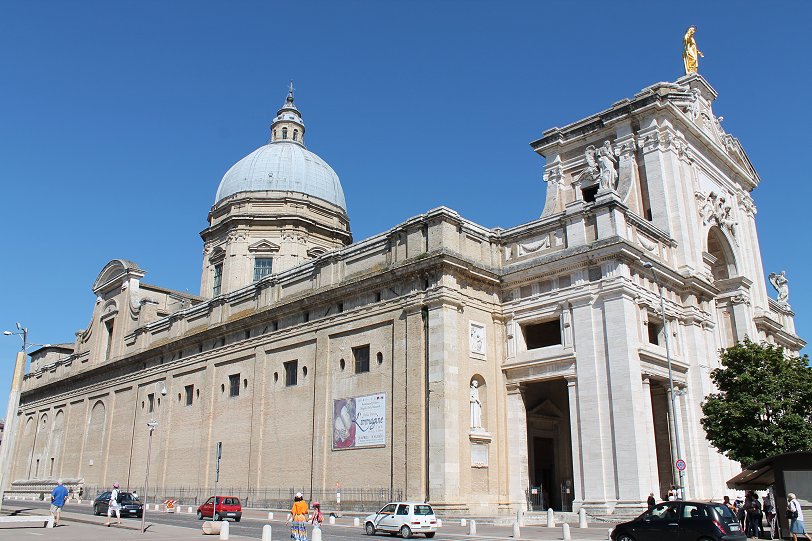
x: 690, y: 53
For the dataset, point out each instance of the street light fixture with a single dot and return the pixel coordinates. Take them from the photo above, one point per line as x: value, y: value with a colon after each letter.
x: 671, y: 391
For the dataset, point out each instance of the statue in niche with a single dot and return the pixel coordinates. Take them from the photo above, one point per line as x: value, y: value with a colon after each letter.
x: 476, y: 406
x: 606, y: 164
x: 781, y: 285
x: 690, y: 52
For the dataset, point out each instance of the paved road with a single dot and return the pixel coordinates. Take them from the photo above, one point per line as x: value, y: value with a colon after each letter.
x: 253, y: 521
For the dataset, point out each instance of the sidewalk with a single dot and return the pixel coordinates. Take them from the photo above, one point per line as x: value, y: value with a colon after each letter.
x: 79, y: 527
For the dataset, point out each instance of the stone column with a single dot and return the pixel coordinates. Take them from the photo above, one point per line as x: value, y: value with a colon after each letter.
x: 630, y: 442
x: 685, y: 440
x: 651, y: 448
x: 445, y: 434
x: 518, y: 472
x: 596, y: 455
x: 575, y: 436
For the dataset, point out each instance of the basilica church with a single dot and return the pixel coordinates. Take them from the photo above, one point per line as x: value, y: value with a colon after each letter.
x: 438, y: 360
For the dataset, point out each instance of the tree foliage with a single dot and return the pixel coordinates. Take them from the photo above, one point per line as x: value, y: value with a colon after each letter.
x: 764, y: 403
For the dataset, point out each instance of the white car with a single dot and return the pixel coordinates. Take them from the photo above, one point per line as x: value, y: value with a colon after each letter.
x: 405, y: 518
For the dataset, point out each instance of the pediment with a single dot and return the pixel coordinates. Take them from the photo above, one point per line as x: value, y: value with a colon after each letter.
x: 263, y: 246
x: 316, y: 251
x: 217, y: 254
x: 115, y: 272
x: 547, y: 409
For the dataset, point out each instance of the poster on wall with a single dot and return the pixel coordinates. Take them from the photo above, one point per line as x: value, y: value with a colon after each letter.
x: 359, y: 422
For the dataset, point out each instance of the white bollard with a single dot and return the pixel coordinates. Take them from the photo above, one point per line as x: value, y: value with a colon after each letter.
x: 472, y: 528
x: 332, y: 519
x: 517, y: 533
x: 565, y: 528
x: 270, y: 516
x: 356, y: 522
x: 224, y: 529
x: 550, y: 519
x: 189, y: 510
x: 80, y: 502
x: 315, y: 535
x: 582, y: 518
x: 463, y: 522
x: 439, y: 523
x: 609, y: 534
x: 266, y: 532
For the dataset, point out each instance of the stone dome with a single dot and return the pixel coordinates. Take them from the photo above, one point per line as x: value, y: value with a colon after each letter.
x: 283, y: 166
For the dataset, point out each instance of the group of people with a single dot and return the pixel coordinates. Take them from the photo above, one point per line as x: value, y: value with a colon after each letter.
x: 752, y: 510
x: 298, y: 518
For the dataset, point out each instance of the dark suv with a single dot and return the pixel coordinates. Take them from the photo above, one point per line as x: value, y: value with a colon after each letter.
x: 682, y: 521
x: 130, y: 506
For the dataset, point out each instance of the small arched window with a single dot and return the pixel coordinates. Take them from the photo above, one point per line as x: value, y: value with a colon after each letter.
x: 295, y: 135
x: 284, y: 133
x: 274, y: 135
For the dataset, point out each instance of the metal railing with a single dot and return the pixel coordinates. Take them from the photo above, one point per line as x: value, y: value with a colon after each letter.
x: 352, y: 499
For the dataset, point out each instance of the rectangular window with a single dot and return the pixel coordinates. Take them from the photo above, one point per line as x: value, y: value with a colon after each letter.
x: 542, y: 335
x: 109, y: 325
x: 150, y: 402
x: 291, y: 373
x: 655, y: 330
x: 217, y: 282
x: 189, y: 390
x: 262, y: 267
x: 361, y: 356
x: 234, y: 385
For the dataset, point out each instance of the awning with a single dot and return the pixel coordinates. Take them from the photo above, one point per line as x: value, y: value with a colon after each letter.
x: 761, y: 475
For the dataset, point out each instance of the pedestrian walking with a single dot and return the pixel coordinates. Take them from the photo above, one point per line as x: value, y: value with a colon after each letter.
x: 114, y: 505
x: 796, y: 518
x: 58, y: 496
x: 651, y: 502
x: 297, y: 518
x: 672, y: 494
x: 317, y: 517
x: 752, y: 509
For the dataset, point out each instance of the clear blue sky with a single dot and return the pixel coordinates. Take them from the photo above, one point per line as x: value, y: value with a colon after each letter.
x: 118, y: 120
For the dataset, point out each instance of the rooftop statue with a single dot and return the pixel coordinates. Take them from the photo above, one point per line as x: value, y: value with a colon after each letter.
x: 690, y: 53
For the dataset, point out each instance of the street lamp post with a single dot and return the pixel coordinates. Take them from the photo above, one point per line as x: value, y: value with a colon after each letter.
x: 671, y: 391
x: 10, y: 428
x: 151, y: 425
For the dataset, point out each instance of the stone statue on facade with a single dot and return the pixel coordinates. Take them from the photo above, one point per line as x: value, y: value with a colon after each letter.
x: 606, y: 164
x: 476, y: 406
x: 715, y: 208
x: 781, y: 285
x: 690, y: 52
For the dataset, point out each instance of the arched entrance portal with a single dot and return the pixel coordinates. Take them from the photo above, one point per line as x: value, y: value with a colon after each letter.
x: 549, y: 445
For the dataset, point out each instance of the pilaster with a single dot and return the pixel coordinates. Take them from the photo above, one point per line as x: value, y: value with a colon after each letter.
x: 518, y: 460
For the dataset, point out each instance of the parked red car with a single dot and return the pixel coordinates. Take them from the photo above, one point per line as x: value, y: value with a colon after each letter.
x: 227, y: 507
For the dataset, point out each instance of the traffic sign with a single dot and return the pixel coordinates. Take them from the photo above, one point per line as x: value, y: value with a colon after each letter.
x: 681, y: 465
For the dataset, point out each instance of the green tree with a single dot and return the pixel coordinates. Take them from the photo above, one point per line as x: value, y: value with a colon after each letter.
x: 764, y: 403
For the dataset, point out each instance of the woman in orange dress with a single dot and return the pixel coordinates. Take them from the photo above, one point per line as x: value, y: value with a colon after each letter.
x: 298, y: 519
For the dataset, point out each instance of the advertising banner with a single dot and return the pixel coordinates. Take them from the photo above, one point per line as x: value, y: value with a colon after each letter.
x: 359, y: 422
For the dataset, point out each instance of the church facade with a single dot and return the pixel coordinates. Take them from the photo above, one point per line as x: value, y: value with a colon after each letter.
x: 460, y: 365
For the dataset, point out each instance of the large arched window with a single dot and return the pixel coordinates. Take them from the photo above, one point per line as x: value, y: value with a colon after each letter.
x: 284, y: 133
x: 723, y: 264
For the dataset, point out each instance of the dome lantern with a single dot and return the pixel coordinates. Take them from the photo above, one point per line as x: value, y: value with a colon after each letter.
x: 288, y: 125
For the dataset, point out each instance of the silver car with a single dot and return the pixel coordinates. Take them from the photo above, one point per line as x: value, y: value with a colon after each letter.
x: 404, y: 518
